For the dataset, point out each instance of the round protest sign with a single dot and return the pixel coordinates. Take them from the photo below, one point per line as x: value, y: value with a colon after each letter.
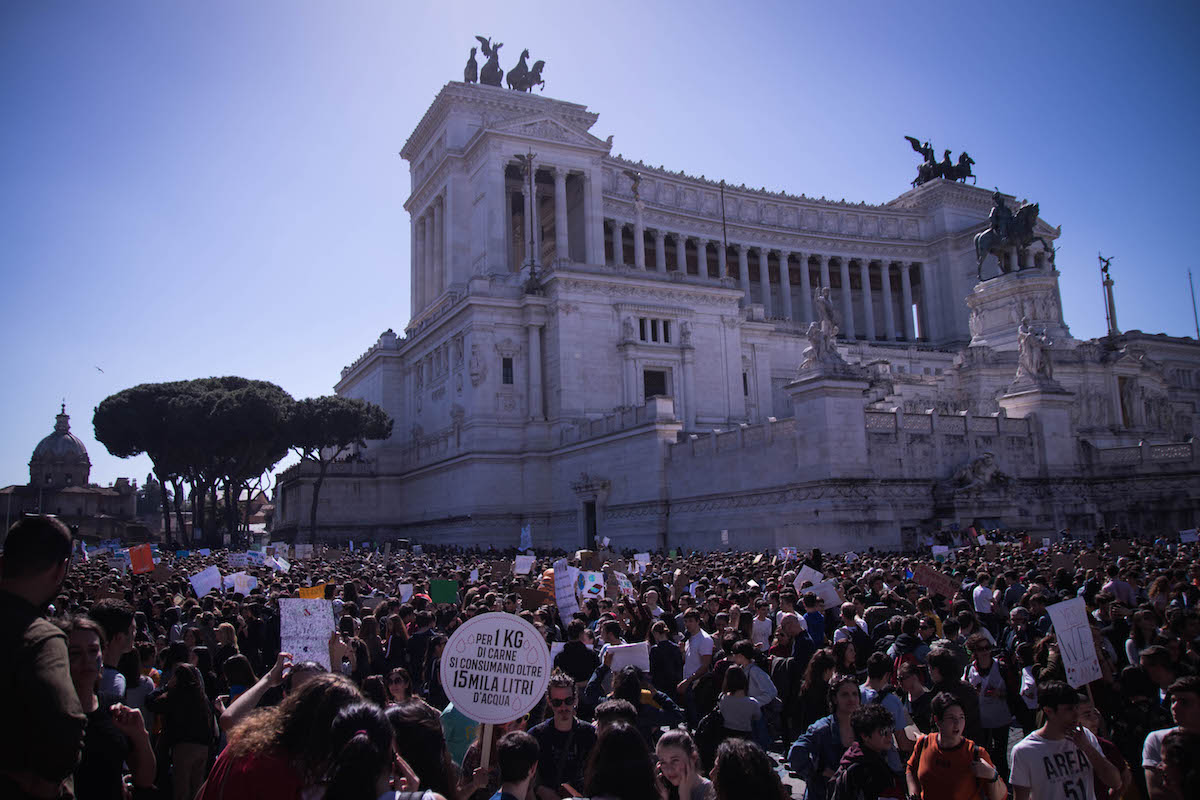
x: 495, y: 668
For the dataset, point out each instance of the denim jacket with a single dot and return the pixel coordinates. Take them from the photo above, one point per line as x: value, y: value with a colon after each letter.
x: 818, y: 748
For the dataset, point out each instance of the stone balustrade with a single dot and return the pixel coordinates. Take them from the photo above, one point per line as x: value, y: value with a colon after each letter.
x: 1144, y: 454
x: 656, y: 409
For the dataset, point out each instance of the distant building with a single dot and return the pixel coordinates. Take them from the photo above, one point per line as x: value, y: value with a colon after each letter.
x: 58, y: 484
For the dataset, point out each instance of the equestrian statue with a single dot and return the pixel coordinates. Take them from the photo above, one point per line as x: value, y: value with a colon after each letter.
x: 522, y: 78
x: 1007, y: 230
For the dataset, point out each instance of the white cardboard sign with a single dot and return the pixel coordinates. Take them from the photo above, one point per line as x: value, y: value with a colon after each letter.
x: 1075, y: 642
x: 304, y: 629
x: 206, y: 580
x: 522, y: 564
x: 564, y: 590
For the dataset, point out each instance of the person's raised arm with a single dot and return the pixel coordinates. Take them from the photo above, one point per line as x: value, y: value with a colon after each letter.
x: 1108, y: 774
x: 142, y: 763
x: 248, y: 700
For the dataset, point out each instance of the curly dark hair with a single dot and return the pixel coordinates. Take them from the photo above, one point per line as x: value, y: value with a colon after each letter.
x: 870, y: 718
x: 299, y: 726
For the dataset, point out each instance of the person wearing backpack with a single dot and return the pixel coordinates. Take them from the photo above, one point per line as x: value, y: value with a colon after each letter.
x: 909, y: 648
x: 864, y: 772
x: 879, y: 691
x: 946, y: 765
x: 988, y: 677
x: 854, y: 629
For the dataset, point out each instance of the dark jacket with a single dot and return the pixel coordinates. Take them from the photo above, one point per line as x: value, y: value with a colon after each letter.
x: 577, y: 660
x: 861, y: 775
x: 43, y: 738
x: 666, y: 666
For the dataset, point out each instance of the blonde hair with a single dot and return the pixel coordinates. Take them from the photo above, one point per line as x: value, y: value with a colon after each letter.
x: 227, y: 635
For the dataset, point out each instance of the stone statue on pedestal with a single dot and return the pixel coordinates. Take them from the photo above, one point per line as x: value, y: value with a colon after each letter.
x: 822, y: 352
x: 1033, y: 355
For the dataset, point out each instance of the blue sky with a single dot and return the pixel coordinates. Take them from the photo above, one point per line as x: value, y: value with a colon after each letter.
x: 210, y: 188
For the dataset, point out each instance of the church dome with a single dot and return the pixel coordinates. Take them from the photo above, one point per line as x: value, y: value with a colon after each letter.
x: 60, y: 458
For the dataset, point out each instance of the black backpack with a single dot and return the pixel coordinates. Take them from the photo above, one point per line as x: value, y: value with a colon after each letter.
x: 862, y: 645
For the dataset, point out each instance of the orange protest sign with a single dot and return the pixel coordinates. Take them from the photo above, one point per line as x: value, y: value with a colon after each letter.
x: 312, y: 592
x: 141, y: 559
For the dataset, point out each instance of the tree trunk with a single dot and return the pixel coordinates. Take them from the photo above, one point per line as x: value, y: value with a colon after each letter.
x: 230, y: 510
x: 178, y: 484
x: 166, y: 508
x: 215, y: 534
x: 197, y: 498
x: 322, y: 466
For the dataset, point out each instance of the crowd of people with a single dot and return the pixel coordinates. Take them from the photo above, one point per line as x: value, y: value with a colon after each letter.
x: 129, y: 685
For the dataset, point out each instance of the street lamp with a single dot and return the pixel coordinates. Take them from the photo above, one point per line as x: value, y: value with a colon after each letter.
x: 526, y: 162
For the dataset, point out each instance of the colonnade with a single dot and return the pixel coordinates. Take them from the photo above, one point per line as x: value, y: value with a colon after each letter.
x: 428, y: 253
x: 535, y: 216
x: 786, y: 280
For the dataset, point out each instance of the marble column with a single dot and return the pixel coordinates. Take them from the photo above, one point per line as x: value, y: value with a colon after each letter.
x: 785, y: 283
x: 889, y: 306
x: 689, y: 387
x: 427, y: 277
x: 618, y: 233
x: 906, y: 298
x: 660, y: 250
x: 847, y: 300
x: 806, y: 293
x: 510, y: 247
x: 864, y: 265
x: 561, y: 236
x: 535, y: 373
x: 439, y: 250
x: 928, y: 303
x: 722, y: 267
x: 681, y: 253
x: 538, y: 193
x: 639, y: 237
x: 824, y: 262
x: 744, y: 271
x: 416, y: 266
x: 701, y: 258
x: 593, y: 219
x: 764, y: 280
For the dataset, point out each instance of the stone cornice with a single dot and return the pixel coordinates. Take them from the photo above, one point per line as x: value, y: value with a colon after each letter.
x: 505, y: 103
x: 734, y: 192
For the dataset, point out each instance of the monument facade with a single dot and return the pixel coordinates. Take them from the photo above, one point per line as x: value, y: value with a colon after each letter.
x: 599, y: 347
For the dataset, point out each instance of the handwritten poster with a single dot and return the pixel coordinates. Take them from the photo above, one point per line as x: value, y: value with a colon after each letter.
x: 564, y: 589
x: 1075, y: 642
x: 522, y: 565
x: 625, y: 585
x: 304, y: 629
